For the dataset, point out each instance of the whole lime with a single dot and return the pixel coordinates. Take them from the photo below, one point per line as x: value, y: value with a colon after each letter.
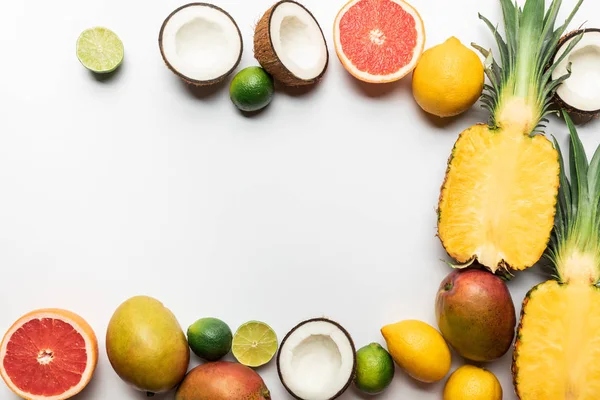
x: 210, y: 338
x: 252, y: 89
x: 374, y: 369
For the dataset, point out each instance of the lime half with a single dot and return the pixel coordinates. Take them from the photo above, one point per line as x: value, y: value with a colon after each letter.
x: 100, y: 50
x: 254, y: 344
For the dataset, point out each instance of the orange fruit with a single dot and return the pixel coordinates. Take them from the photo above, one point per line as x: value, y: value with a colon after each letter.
x: 48, y: 354
x: 379, y: 41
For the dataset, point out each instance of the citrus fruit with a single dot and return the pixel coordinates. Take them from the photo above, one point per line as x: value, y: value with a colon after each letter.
x: 210, y: 338
x: 448, y: 79
x: 379, y: 41
x: 374, y: 369
x: 48, y: 354
x: 419, y: 349
x: 252, y: 89
x: 100, y: 50
x: 469, y: 382
x: 254, y: 344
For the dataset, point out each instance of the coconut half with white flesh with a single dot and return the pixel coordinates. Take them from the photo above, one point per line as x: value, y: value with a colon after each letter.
x: 580, y: 93
x: 201, y: 43
x: 289, y: 44
x: 317, y: 360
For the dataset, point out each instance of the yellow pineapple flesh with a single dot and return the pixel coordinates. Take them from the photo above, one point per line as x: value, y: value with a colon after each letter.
x: 498, y: 201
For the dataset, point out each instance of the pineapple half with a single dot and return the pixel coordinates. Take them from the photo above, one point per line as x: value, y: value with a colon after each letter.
x: 498, y: 200
x: 557, y: 351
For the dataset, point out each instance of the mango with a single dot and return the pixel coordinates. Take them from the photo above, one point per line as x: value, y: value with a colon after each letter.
x: 476, y: 314
x: 222, y: 380
x: 146, y: 346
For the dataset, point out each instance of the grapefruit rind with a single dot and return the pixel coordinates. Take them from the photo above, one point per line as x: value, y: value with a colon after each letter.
x: 80, y: 325
x: 366, y: 76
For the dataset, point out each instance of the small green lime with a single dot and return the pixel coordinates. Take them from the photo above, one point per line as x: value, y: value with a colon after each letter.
x: 374, y: 369
x: 210, y: 338
x: 100, y: 50
x: 252, y: 89
x: 254, y: 344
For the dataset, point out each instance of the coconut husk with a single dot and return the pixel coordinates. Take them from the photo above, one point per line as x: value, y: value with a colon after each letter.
x: 265, y: 54
x: 187, y: 80
x: 579, y: 117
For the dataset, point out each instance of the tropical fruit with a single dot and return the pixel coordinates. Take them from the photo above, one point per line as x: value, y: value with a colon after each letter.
x: 448, y: 79
x: 476, y: 314
x: 558, y: 342
x: 222, y: 380
x: 100, y: 50
x: 419, y: 349
x: 210, y: 338
x: 379, y: 41
x: 374, y: 369
x: 472, y: 383
x: 146, y: 345
x: 252, y: 89
x: 48, y: 354
x: 254, y: 344
x: 498, y: 200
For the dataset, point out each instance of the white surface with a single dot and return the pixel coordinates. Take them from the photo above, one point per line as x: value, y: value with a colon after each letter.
x: 324, y: 204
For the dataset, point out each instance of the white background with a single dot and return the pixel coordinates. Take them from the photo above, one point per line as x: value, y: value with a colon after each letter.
x: 322, y: 205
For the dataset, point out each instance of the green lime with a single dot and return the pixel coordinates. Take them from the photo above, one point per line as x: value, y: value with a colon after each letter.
x: 252, y: 89
x: 100, y: 50
x: 374, y: 369
x: 254, y: 344
x: 209, y: 338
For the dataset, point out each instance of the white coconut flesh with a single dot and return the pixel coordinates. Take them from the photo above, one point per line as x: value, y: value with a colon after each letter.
x: 201, y: 42
x: 298, y: 41
x: 316, y: 362
x: 582, y: 89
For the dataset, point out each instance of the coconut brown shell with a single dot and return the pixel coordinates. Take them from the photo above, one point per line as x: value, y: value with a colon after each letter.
x: 265, y: 54
x: 186, y: 79
x: 578, y: 116
x: 343, y: 330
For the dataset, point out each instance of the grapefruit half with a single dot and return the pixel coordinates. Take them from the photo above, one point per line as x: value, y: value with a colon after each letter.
x: 48, y: 354
x: 379, y: 41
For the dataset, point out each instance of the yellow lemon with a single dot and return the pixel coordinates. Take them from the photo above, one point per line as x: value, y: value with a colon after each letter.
x: 448, y: 79
x: 419, y: 349
x: 469, y: 382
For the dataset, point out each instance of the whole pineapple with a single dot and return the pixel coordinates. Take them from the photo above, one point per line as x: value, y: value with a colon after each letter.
x: 498, y: 200
x: 557, y: 351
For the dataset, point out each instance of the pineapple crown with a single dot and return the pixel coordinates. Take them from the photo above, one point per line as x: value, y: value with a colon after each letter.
x: 575, y: 246
x: 521, y: 85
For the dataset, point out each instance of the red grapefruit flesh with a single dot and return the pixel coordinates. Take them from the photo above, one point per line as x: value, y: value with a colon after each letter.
x: 48, y: 354
x: 379, y: 41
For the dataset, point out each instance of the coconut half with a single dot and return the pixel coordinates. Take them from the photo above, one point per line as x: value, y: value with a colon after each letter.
x: 290, y: 45
x: 317, y: 360
x: 201, y: 43
x: 580, y: 93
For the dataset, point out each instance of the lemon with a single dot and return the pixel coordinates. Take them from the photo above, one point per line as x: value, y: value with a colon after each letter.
x: 469, y: 382
x: 419, y: 349
x: 254, y: 344
x: 448, y: 79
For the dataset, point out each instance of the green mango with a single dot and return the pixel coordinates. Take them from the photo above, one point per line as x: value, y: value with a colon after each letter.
x: 146, y: 346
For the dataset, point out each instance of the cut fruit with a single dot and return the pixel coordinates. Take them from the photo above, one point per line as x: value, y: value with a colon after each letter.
x: 289, y: 44
x: 48, y: 354
x: 580, y: 94
x: 506, y: 220
x: 498, y: 200
x: 200, y: 43
x: 100, y: 50
x: 254, y: 344
x: 379, y: 41
x: 317, y: 360
x: 558, y: 341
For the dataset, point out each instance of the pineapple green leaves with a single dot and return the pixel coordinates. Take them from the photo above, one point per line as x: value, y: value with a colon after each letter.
x: 575, y: 246
x: 522, y: 76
